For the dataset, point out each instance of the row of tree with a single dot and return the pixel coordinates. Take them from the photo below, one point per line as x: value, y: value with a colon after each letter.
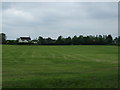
x: 80, y: 40
x: 76, y: 40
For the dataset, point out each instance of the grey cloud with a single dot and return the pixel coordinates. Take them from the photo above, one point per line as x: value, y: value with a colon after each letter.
x: 54, y: 19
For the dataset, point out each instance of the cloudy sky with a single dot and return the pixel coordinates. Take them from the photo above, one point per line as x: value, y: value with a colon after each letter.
x: 52, y: 19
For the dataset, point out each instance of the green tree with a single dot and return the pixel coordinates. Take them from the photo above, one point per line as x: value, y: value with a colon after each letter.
x: 100, y: 40
x: 80, y: 40
x: 40, y: 40
x: 3, y: 38
x: 60, y: 40
x: 68, y: 41
x: 75, y: 40
x: 49, y: 41
x: 109, y: 39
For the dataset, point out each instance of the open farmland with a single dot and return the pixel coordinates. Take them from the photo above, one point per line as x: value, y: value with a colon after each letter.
x: 60, y: 66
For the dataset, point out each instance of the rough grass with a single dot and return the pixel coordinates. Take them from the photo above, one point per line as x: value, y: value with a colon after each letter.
x: 60, y: 66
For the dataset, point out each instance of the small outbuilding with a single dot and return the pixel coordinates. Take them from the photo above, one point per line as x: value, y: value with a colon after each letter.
x: 24, y: 40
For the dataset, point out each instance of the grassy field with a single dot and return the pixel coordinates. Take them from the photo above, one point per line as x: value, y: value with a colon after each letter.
x: 60, y: 66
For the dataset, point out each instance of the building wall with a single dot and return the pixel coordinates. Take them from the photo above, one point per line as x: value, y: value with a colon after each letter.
x: 21, y: 41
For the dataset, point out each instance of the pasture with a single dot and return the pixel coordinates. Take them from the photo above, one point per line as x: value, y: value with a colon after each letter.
x: 84, y: 66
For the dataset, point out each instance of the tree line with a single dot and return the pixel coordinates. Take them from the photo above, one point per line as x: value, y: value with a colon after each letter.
x: 80, y: 40
x: 76, y: 40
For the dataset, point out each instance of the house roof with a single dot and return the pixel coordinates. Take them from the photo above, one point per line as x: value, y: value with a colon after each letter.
x: 25, y: 38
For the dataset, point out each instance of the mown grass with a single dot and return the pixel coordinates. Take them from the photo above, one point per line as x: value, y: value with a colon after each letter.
x: 60, y: 66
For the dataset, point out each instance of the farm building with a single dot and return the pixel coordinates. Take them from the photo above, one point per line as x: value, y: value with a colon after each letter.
x: 24, y: 40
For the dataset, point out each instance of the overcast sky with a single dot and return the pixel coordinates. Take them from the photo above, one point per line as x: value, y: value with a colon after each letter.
x: 52, y: 19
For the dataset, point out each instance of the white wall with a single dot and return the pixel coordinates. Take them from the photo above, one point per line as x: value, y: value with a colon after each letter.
x: 25, y: 41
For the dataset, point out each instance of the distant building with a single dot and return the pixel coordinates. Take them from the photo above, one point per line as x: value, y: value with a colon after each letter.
x: 24, y: 40
x: 34, y: 42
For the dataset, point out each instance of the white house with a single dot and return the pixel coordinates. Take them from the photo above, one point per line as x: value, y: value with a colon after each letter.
x: 24, y: 39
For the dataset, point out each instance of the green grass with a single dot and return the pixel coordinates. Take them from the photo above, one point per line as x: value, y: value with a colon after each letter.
x: 60, y: 66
